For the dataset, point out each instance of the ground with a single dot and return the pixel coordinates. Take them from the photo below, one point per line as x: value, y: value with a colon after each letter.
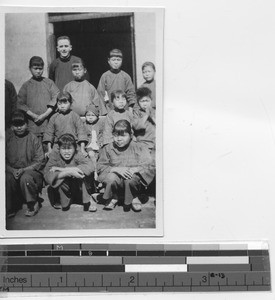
x: 49, y: 218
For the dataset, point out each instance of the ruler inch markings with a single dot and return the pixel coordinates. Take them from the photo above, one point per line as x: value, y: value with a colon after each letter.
x: 81, y: 268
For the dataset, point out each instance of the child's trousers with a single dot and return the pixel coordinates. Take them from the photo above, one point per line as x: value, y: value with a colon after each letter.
x: 113, y: 183
x: 73, y: 190
x: 28, y: 186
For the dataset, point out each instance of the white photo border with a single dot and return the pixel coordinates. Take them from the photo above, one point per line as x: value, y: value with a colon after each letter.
x: 158, y: 230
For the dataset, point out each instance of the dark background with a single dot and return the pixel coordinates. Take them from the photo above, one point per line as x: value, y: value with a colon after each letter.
x: 92, y: 39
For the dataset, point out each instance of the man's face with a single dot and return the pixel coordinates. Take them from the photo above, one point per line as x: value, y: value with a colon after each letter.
x: 67, y: 152
x: 64, y: 48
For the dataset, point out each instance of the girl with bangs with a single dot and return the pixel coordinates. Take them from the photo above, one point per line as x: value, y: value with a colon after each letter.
x: 124, y: 166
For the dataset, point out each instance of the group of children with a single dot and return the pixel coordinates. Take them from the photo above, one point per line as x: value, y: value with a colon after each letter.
x: 63, y: 132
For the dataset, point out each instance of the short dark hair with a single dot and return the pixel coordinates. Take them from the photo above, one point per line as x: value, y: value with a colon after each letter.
x: 36, y: 61
x: 116, y: 93
x: 19, y: 117
x: 64, y: 96
x: 92, y: 108
x: 143, y: 92
x: 63, y: 37
x: 66, y: 139
x: 78, y: 62
x: 115, y: 53
x: 121, y: 127
x: 148, y: 64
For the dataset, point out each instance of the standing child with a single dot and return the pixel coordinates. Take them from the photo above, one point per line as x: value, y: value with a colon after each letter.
x: 148, y: 72
x: 116, y: 79
x: 83, y: 93
x: 124, y: 165
x: 67, y: 172
x: 94, y: 127
x: 119, y: 102
x: 65, y: 121
x: 144, y: 116
x: 37, y: 97
x: 60, y: 70
x: 24, y: 162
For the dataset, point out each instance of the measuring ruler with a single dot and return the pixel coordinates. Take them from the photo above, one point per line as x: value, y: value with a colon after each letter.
x: 134, y: 268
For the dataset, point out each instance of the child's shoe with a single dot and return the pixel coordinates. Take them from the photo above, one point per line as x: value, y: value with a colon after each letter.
x: 32, y: 210
x: 93, y: 207
x: 127, y: 207
x: 136, y: 205
x: 111, y: 204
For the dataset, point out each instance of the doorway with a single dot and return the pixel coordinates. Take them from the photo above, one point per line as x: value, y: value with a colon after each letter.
x: 93, y: 36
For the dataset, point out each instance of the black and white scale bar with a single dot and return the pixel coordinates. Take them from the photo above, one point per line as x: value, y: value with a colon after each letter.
x: 192, y: 281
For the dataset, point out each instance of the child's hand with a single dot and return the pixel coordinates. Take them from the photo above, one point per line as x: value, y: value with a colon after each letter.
x: 54, y: 169
x: 124, y: 172
x: 134, y: 170
x: 40, y: 119
x: 17, y: 173
x: 47, y: 154
x: 84, y: 152
x: 76, y: 173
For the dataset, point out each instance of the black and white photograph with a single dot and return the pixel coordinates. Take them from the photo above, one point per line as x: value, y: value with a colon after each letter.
x: 83, y: 121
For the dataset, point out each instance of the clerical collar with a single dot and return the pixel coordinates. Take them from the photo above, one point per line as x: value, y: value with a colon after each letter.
x: 65, y: 59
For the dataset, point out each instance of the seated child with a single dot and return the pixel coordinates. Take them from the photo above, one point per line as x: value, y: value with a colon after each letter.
x: 119, y: 102
x: 148, y: 72
x: 124, y: 165
x: 116, y: 79
x: 83, y: 92
x: 24, y: 162
x: 37, y: 97
x: 10, y: 102
x: 68, y: 172
x: 60, y: 70
x: 65, y: 121
x: 144, y: 116
x: 94, y: 127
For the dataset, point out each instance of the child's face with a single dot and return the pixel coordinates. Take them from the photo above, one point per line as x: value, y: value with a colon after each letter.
x: 63, y: 106
x: 64, y: 48
x: 91, y: 118
x: 79, y: 72
x: 122, y: 140
x: 37, y: 71
x: 148, y: 73
x: 119, y: 102
x: 115, y: 62
x: 19, y: 129
x: 67, y: 152
x: 145, y: 103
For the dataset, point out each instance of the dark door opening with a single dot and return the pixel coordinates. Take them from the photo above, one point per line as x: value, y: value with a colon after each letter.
x: 92, y: 39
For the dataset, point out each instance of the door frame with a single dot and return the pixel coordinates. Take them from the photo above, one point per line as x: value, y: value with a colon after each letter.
x: 63, y: 17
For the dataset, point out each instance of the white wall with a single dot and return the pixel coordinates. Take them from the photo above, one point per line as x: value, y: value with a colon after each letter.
x: 25, y: 36
x: 145, y: 39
